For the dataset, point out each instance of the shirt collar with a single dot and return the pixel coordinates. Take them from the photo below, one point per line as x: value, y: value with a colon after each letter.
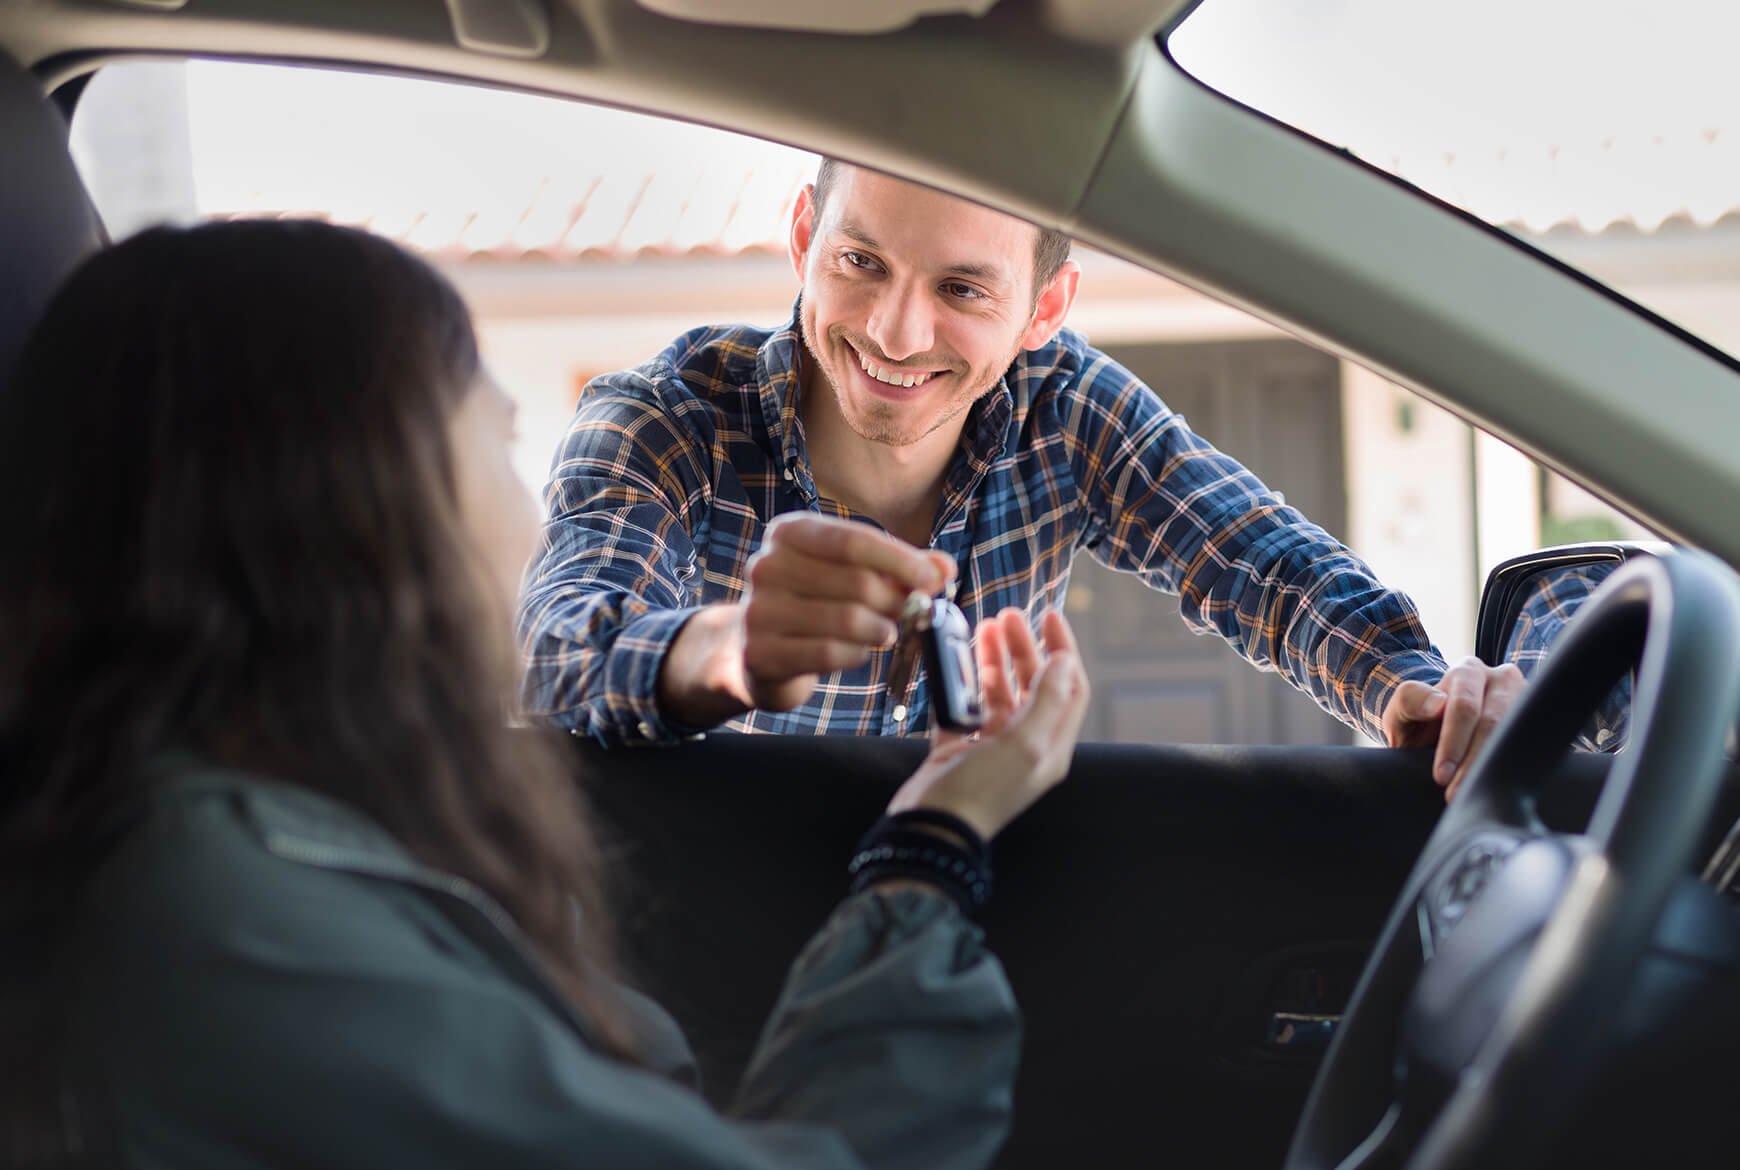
x: 779, y: 383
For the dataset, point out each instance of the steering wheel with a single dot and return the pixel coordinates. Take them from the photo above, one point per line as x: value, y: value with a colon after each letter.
x: 1473, y: 1029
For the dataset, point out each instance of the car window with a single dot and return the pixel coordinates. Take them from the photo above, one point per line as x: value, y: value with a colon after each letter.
x: 550, y: 215
x: 587, y: 238
x: 1601, y: 132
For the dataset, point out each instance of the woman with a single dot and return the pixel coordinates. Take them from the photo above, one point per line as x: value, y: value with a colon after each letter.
x: 301, y: 895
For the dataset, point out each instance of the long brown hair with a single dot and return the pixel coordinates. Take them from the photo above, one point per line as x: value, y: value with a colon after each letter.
x: 228, y: 502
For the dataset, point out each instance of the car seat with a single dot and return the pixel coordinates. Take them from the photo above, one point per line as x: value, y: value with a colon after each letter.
x: 47, y: 221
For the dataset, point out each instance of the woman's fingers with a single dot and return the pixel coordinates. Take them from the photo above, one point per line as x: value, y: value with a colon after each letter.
x: 1035, y: 706
x: 1023, y: 652
x: 1053, y: 717
x: 996, y: 691
x: 1057, y: 634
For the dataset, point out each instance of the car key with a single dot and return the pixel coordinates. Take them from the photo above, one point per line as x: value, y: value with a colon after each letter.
x: 934, y: 631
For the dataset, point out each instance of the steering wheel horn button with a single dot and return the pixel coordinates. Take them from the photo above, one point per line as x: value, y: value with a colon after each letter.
x: 1470, y: 977
x: 1459, y: 883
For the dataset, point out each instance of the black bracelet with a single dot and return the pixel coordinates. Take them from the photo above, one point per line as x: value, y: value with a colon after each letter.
x: 892, y: 849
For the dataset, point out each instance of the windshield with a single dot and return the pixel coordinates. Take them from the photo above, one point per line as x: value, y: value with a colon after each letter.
x: 1605, y: 133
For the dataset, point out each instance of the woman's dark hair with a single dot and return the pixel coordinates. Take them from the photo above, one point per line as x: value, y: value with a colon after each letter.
x: 231, y: 523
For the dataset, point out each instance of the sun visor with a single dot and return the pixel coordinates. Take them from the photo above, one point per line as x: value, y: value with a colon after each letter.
x: 865, y: 17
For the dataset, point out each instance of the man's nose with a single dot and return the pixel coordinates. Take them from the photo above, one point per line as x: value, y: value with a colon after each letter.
x: 901, y: 322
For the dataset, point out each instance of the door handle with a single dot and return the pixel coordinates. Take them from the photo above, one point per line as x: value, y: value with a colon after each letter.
x: 1301, y: 1031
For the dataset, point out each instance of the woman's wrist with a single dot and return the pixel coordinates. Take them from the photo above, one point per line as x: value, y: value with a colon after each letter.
x: 929, y: 847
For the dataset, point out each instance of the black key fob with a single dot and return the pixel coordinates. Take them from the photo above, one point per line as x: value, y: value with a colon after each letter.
x: 955, y: 701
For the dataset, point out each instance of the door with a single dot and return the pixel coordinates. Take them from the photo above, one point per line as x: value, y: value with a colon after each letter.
x: 1163, y: 915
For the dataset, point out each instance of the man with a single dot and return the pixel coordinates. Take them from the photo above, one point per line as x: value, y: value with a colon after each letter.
x: 734, y: 525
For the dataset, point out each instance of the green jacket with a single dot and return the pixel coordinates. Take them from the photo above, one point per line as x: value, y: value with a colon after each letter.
x: 265, y: 977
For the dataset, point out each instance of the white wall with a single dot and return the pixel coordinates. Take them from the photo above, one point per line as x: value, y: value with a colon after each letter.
x: 1409, y: 486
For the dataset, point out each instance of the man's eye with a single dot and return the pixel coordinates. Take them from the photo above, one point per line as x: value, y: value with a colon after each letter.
x: 859, y: 260
x: 962, y: 292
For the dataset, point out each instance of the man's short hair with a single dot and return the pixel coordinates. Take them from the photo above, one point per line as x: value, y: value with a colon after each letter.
x: 1050, y: 250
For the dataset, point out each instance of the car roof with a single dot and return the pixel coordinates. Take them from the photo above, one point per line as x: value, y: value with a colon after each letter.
x: 1070, y: 113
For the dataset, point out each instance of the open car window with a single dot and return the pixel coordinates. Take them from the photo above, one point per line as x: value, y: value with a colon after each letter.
x: 587, y: 238
x: 1604, y: 134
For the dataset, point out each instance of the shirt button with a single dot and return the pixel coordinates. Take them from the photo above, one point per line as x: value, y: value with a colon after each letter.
x: 899, y: 712
x: 646, y: 729
x: 788, y: 474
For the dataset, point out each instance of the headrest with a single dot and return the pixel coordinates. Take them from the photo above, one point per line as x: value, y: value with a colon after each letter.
x: 47, y: 222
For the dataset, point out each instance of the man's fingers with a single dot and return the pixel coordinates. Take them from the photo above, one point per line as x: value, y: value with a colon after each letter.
x: 944, y: 564
x: 778, y: 658
x: 1503, y: 685
x: 793, y: 572
x: 827, y: 538
x: 799, y: 617
x: 1410, y: 718
x: 1464, y: 687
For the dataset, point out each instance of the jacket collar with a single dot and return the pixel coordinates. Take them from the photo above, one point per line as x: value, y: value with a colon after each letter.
x: 278, y: 810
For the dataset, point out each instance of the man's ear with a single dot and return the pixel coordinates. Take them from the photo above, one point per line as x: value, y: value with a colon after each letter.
x: 1052, y: 306
x: 803, y: 226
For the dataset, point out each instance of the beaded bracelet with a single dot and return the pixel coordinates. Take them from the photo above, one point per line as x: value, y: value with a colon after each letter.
x: 896, y: 847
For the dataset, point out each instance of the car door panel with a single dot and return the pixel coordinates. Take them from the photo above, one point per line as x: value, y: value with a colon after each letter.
x: 1155, y: 914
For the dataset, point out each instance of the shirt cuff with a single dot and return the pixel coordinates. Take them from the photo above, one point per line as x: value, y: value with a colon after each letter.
x: 1392, y: 672
x: 631, y: 674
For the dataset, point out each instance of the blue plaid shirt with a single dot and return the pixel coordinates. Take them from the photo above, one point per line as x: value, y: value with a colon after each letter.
x: 669, y: 473
x: 1553, y: 601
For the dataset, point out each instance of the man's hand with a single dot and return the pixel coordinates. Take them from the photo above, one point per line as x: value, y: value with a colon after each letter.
x: 1457, y: 715
x: 822, y: 594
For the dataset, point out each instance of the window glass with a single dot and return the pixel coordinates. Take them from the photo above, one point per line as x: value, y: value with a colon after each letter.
x: 547, y: 213
x: 585, y: 239
x: 1602, y: 131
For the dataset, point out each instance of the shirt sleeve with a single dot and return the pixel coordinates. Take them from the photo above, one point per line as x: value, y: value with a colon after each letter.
x: 1284, y: 593
x: 616, y: 575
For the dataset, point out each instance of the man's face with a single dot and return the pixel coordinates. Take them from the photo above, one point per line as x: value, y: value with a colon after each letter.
x: 914, y: 302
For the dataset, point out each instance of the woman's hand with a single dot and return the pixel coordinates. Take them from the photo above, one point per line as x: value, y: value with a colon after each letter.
x: 1034, y: 704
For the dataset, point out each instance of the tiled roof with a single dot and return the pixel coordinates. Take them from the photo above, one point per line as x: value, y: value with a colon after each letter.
x: 1636, y: 183
x: 465, y: 173
x: 617, y: 215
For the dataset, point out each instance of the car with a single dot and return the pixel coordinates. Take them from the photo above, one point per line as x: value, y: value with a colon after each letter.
x: 1244, y: 954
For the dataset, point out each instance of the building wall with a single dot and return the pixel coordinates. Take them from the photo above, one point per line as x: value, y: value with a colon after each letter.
x: 1410, y: 475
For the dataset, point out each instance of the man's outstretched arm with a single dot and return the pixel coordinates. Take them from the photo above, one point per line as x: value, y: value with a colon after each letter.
x: 617, y: 641
x: 1282, y: 591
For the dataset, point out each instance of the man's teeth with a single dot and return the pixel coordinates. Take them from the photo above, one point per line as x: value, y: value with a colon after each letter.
x: 892, y: 377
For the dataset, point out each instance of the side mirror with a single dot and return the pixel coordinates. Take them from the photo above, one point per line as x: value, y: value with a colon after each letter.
x: 1520, y: 590
x: 1527, y: 601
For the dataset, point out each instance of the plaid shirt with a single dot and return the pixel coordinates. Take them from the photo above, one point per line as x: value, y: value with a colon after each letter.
x: 1554, y: 600
x: 670, y: 472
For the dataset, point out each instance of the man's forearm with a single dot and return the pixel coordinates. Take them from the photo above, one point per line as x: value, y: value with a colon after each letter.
x: 701, y: 679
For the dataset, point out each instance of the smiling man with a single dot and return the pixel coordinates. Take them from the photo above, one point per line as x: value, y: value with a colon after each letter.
x: 734, y: 525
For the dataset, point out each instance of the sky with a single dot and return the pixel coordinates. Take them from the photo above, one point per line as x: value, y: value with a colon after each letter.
x: 1526, y: 111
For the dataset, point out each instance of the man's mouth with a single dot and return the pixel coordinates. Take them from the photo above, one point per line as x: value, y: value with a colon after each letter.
x: 889, y: 375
